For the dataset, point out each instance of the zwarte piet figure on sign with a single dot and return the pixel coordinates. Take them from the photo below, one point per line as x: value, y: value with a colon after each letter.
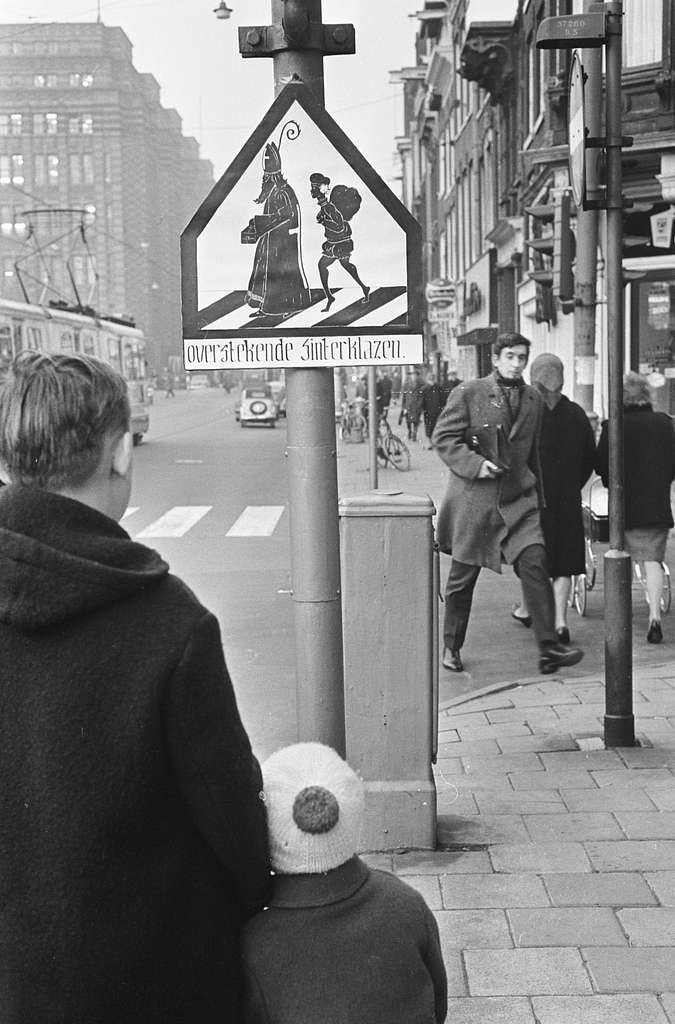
x: 335, y: 212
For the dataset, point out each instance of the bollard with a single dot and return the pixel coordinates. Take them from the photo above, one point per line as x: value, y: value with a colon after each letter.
x: 388, y: 609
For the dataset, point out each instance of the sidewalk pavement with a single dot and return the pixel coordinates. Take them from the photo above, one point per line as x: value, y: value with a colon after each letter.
x: 554, y: 879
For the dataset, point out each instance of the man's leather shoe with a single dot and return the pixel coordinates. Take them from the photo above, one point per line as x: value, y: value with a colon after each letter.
x: 452, y: 660
x: 655, y: 634
x: 557, y: 656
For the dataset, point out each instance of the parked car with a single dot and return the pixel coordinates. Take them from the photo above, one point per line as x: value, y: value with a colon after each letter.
x: 256, y: 405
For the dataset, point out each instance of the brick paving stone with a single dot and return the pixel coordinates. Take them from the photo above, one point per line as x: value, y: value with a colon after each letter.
x: 531, y: 699
x: 488, y: 732
x: 503, y: 763
x: 474, y: 929
x: 539, y: 857
x: 657, y: 825
x: 571, y: 779
x: 668, y: 1002
x: 531, y: 802
x: 456, y: 862
x: 593, y: 760
x: 529, y: 972
x: 454, y: 969
x: 491, y: 1010
x: 611, y: 798
x: 617, y: 889
x: 568, y: 926
x: 465, y: 718
x: 428, y: 887
x: 627, y: 1009
x: 646, y: 777
x: 663, y: 798
x: 542, y: 718
x: 469, y: 748
x: 449, y: 766
x: 483, y: 829
x: 493, y: 892
x: 648, y: 926
x: 649, y: 757
x: 447, y: 736
x: 453, y: 802
x: 632, y: 855
x: 579, y: 826
x: 631, y: 970
x: 477, y: 782
x: 663, y: 884
x: 552, y: 741
x: 655, y: 724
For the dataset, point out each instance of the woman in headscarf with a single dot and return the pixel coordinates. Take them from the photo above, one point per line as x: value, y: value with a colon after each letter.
x: 567, y: 452
x: 649, y: 468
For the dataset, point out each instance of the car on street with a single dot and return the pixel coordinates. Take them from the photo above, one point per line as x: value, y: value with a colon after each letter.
x: 256, y: 405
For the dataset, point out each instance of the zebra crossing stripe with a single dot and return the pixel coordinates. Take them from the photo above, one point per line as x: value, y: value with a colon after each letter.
x: 176, y: 522
x: 256, y: 521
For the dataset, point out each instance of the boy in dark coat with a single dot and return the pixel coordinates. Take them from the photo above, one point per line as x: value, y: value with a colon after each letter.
x: 132, y: 836
x: 340, y: 943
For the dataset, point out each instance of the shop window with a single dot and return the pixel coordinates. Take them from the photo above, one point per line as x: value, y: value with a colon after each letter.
x: 643, y: 33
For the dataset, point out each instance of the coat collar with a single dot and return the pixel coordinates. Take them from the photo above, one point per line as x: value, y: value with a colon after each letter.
x: 293, y: 891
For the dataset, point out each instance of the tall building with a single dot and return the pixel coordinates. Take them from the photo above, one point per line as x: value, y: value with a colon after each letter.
x: 96, y: 178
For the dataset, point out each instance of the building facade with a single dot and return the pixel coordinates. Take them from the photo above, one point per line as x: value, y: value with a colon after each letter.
x: 96, y: 179
x: 485, y: 148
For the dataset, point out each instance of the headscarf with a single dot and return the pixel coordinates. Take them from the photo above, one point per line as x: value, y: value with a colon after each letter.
x: 546, y: 373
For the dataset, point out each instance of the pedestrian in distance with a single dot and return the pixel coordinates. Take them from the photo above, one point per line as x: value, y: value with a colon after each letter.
x: 649, y: 469
x: 169, y: 383
x: 433, y: 400
x: 567, y: 454
x: 411, y: 403
x: 340, y: 943
x: 132, y: 835
x: 384, y: 393
x: 488, y: 435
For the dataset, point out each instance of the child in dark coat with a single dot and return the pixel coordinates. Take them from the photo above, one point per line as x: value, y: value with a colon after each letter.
x: 340, y: 943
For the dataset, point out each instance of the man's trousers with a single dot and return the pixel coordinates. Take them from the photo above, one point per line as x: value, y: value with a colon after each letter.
x: 530, y: 566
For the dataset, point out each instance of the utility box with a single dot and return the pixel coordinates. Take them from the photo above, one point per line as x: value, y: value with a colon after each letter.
x: 390, y: 621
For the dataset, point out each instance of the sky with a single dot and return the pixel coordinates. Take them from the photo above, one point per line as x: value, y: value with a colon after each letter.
x: 221, y: 97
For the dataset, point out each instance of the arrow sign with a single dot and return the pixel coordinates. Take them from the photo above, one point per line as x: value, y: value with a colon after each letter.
x: 300, y: 240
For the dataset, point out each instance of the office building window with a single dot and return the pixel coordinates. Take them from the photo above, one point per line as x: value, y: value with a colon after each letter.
x: 15, y: 124
x: 42, y: 81
x: 73, y: 126
x: 4, y: 124
x: 107, y: 168
x: 51, y: 124
x: 6, y: 220
x: 75, y: 169
x: 87, y: 80
x: 17, y: 169
x: 88, y: 168
x: 52, y: 169
x: 40, y: 169
x: 87, y: 124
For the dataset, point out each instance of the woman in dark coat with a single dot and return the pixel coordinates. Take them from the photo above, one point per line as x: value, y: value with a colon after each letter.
x: 649, y: 468
x: 567, y: 453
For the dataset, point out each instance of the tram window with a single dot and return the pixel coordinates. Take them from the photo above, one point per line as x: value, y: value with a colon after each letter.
x: 34, y: 338
x: 67, y: 341
x: 88, y: 343
x: 114, y: 353
x: 5, y: 347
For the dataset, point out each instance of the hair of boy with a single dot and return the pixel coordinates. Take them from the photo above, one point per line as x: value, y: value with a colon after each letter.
x: 509, y: 340
x: 635, y: 390
x: 56, y: 412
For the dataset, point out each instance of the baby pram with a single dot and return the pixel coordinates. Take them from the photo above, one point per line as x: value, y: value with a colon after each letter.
x: 595, y: 515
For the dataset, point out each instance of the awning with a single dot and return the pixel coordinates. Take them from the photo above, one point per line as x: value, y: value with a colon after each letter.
x: 478, y: 336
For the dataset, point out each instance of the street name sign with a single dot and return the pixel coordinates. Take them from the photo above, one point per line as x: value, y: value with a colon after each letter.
x: 577, y: 131
x: 301, y: 255
x: 569, y: 31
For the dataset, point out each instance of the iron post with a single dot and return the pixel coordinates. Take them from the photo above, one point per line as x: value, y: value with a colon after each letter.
x: 373, y: 428
x: 619, y: 721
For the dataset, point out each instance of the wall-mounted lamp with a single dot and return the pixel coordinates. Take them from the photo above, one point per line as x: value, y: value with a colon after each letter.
x: 222, y: 11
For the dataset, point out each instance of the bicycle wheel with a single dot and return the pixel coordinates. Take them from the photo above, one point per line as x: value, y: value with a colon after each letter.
x: 591, y: 567
x: 666, y: 595
x: 581, y: 589
x: 397, y: 453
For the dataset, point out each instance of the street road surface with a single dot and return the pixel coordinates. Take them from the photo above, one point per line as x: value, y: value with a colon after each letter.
x: 212, y: 498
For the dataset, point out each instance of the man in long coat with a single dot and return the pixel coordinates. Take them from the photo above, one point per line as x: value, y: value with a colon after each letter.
x: 132, y: 836
x: 487, y: 435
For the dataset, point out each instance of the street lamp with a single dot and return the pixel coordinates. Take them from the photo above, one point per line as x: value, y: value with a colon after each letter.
x: 222, y: 11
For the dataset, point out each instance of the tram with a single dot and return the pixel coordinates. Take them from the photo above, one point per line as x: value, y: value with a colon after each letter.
x: 61, y: 328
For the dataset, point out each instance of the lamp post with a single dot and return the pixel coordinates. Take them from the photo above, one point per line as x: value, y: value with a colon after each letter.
x: 222, y: 11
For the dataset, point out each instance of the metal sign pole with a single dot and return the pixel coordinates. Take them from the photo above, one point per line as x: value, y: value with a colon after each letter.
x: 373, y: 428
x: 619, y: 721
x: 312, y: 477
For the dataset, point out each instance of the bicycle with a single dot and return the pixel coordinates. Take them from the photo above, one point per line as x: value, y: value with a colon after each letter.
x: 391, y: 450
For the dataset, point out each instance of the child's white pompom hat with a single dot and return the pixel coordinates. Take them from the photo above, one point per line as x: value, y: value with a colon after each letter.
x: 314, y: 803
